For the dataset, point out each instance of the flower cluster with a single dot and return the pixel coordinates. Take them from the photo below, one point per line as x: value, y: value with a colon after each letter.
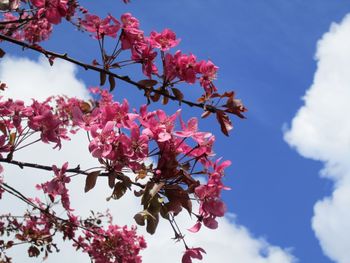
x: 19, y: 122
x: 121, y: 140
x: 108, y: 26
x: 37, y: 228
x: 115, y: 244
x: 159, y: 154
x: 178, y: 66
x: 57, y: 186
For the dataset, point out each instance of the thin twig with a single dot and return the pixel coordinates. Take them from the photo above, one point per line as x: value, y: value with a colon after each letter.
x: 126, y: 79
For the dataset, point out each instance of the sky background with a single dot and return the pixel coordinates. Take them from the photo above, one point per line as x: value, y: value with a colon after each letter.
x: 270, y: 53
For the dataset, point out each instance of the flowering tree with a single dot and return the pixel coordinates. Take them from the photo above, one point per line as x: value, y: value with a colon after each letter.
x: 122, y: 140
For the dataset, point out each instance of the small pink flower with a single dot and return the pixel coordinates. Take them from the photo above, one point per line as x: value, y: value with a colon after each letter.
x: 186, y: 67
x: 164, y: 40
x: 53, y: 10
x: 108, y: 26
x: 57, y: 186
x: 196, y: 227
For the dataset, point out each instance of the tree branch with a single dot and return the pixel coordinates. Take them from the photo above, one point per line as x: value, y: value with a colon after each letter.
x: 126, y: 79
x: 76, y: 170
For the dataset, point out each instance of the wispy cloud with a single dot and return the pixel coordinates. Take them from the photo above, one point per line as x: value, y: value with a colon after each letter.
x: 321, y: 131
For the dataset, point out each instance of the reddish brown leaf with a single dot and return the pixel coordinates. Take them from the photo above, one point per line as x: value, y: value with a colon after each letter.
x: 140, y: 219
x: 103, y: 77
x: 111, y: 81
x: 224, y: 121
x: 2, y: 53
x: 119, y: 190
x: 165, y: 97
x: 155, y: 97
x: 178, y: 94
x: 236, y: 107
x: 90, y: 181
x: 111, y: 179
x: 152, y: 223
x: 205, y: 114
x: 12, y: 138
x: 147, y: 83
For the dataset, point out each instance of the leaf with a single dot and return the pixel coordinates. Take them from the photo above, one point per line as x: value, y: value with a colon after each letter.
x: 224, y: 121
x: 111, y: 81
x: 155, y: 189
x: 33, y: 251
x: 165, y: 97
x: 155, y: 97
x: 12, y: 138
x: 3, y: 128
x: 126, y: 180
x: 152, y: 223
x: 164, y: 212
x: 111, y: 179
x: 2, y: 53
x: 102, y: 78
x: 178, y: 94
x: 152, y: 220
x: 141, y: 174
x: 147, y: 83
x: 146, y: 195
x: 178, y: 196
x: 138, y: 193
x: 236, y: 107
x: 173, y: 206
x: 205, y: 114
x: 140, y: 219
x: 90, y: 181
x: 119, y: 190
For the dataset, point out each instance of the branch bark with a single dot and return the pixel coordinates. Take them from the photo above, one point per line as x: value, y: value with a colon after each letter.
x: 86, y: 66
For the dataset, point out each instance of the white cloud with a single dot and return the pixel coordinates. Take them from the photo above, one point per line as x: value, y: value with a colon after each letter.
x: 230, y: 243
x: 29, y: 79
x: 321, y: 131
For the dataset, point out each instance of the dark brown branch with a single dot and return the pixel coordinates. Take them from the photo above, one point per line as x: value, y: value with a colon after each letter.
x: 41, y: 167
x: 15, y: 21
x: 76, y: 170
x: 126, y: 79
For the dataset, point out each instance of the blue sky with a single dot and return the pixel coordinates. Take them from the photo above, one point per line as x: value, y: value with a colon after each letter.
x: 265, y: 51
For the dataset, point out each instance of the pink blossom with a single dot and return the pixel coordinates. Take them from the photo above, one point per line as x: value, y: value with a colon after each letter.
x: 53, y: 10
x: 196, y: 227
x: 144, y: 54
x: 164, y: 40
x: 57, y: 186
x: 208, y: 71
x: 131, y: 31
x: 116, y: 244
x: 37, y: 30
x: 42, y: 119
x: 108, y: 26
x: 186, y: 67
